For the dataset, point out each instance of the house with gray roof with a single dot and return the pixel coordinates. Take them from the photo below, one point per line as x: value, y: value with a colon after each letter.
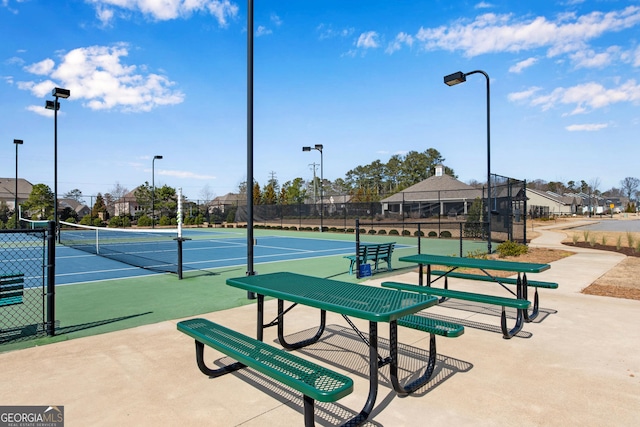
x: 440, y: 194
x: 8, y: 191
x: 548, y: 203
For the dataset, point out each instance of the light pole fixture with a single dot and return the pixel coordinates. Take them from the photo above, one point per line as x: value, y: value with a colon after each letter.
x: 153, y: 190
x: 319, y: 148
x: 15, y: 204
x: 55, y: 106
x: 460, y: 77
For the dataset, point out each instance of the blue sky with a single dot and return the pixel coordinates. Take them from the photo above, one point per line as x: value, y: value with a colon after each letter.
x: 363, y: 78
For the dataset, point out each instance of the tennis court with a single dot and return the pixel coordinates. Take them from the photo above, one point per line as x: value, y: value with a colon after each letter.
x: 205, y: 250
x: 95, y: 294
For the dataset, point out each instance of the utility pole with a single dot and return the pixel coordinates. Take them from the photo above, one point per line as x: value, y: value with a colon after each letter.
x: 314, y: 165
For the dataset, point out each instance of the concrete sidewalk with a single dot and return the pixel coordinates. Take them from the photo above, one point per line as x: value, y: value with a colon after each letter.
x: 578, y: 365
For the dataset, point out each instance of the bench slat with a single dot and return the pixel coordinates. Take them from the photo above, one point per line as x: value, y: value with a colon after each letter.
x: 485, y: 278
x: 10, y: 301
x: 432, y: 326
x: 312, y: 380
x: 468, y: 296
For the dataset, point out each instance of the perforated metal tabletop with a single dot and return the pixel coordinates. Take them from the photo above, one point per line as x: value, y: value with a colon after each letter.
x: 361, y: 301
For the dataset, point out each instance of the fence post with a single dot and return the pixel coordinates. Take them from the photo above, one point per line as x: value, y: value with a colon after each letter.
x: 51, y: 279
x: 357, y: 248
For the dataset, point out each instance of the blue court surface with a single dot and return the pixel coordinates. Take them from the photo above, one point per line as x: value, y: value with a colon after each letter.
x: 205, y: 250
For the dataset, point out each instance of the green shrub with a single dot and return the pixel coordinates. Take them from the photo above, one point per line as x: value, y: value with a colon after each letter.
x: 372, y: 231
x: 510, y: 248
x: 406, y: 233
x: 382, y: 232
x: 445, y: 234
x: 393, y: 232
x: 144, y: 221
x: 97, y: 222
x: 86, y: 220
x: 478, y: 253
x: 432, y: 234
x: 418, y: 233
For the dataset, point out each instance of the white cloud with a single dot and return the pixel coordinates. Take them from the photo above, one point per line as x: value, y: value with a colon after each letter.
x: 328, y: 32
x: 483, y: 5
x: 39, y: 109
x: 523, y: 95
x: 587, y: 97
x: 491, y: 33
x: 97, y: 75
x: 589, y: 127
x: 368, y: 40
x: 41, y: 68
x: 522, y: 65
x: 590, y: 59
x: 163, y: 10
x: 262, y: 31
x: 184, y: 174
x: 400, y: 40
x: 636, y: 57
x: 275, y: 19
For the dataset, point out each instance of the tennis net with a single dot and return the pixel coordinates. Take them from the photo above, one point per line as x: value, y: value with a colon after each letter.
x: 155, y: 249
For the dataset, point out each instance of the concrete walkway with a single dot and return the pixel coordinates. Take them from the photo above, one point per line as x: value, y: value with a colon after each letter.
x: 579, y: 365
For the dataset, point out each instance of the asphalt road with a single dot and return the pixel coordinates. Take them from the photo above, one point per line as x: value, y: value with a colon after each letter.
x: 608, y: 224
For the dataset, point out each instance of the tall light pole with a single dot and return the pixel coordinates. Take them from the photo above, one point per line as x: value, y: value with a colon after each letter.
x: 153, y: 190
x: 15, y: 204
x: 460, y: 77
x: 319, y: 148
x: 55, y: 106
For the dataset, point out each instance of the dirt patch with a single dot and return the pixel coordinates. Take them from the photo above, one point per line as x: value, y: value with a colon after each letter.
x: 621, y: 281
x: 534, y: 255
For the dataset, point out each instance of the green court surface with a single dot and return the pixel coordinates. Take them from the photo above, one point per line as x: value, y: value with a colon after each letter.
x: 99, y: 307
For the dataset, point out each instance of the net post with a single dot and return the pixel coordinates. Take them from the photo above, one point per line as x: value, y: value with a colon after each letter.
x: 180, y: 240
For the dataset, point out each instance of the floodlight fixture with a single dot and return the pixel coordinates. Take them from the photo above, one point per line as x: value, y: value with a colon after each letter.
x: 455, y: 78
x: 61, y: 93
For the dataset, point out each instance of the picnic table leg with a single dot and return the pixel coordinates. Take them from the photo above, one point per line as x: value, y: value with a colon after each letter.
x: 214, y: 373
x: 506, y: 333
x: 393, y: 369
x: 362, y: 417
x: 522, y: 283
x: 302, y: 343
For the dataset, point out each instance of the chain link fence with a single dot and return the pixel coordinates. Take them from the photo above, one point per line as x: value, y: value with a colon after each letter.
x: 23, y: 269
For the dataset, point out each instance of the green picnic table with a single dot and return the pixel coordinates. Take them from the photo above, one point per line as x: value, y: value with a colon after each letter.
x: 370, y: 303
x: 520, y: 303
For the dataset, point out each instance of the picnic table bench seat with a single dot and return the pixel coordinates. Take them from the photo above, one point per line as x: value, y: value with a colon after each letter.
x: 432, y: 326
x: 11, y: 288
x: 315, y: 382
x: 520, y: 305
x: 484, y: 277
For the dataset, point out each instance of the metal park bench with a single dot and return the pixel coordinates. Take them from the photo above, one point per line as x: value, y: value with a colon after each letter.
x: 376, y: 252
x: 11, y: 288
x: 313, y: 381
